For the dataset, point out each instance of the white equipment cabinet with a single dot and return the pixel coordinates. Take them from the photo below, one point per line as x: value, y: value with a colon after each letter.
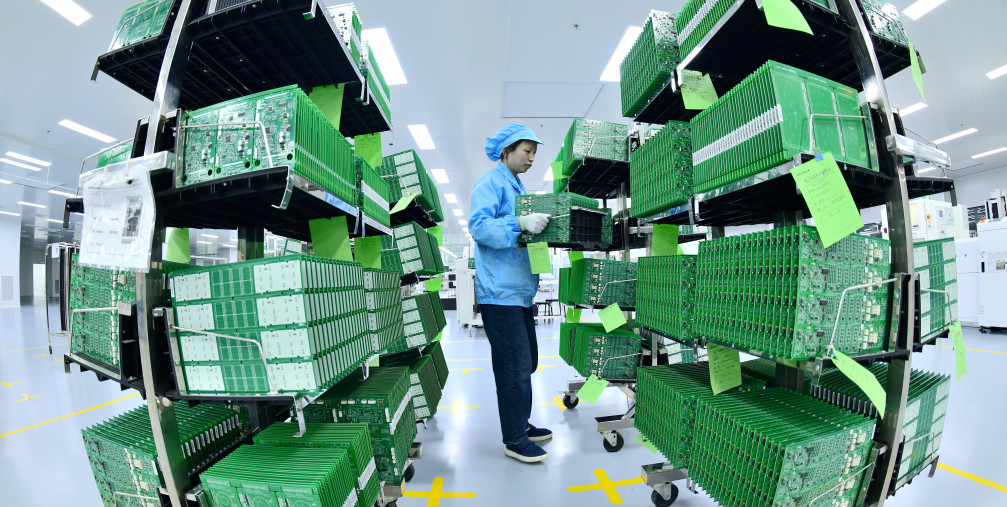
x: 992, y: 274
x: 936, y: 220
x: 967, y: 258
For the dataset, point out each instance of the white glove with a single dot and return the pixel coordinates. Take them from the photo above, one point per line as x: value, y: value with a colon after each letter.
x: 534, y: 223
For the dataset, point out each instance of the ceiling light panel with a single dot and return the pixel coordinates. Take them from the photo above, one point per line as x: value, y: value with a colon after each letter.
x: 954, y: 136
x: 995, y: 73
x: 70, y: 10
x: 379, y: 42
x: 64, y: 194
x: 906, y: 111
x: 422, y: 136
x: 611, y: 72
x: 457, y: 212
x: 451, y: 198
x: 5, y: 182
x: 76, y: 127
x: 991, y: 152
x: 440, y: 175
x: 2, y: 212
x: 33, y: 205
x: 917, y: 9
x: 26, y: 158
x: 19, y: 164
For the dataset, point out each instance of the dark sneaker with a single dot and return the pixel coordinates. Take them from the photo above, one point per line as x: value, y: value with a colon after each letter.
x: 526, y: 451
x: 538, y: 434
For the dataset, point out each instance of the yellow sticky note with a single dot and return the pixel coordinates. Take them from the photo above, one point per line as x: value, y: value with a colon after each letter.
x: 178, y: 246
x: 401, y: 205
x: 368, y: 251
x: 368, y: 147
x: 784, y: 14
x: 863, y: 378
x: 914, y: 63
x: 828, y: 198
x: 573, y: 315
x: 959, y: 342
x: 575, y: 255
x: 437, y: 232
x: 642, y: 440
x: 538, y: 256
x: 329, y: 99
x: 331, y: 238
x: 434, y: 284
x: 664, y: 240
x: 725, y: 368
x: 592, y: 389
x: 697, y: 90
x: 611, y: 317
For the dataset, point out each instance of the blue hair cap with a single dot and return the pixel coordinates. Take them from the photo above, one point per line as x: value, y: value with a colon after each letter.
x: 507, y: 136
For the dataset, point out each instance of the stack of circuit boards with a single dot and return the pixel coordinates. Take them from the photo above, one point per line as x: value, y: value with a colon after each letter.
x: 405, y: 174
x: 763, y: 122
x: 559, y: 180
x: 674, y: 351
x: 660, y: 170
x: 594, y: 139
x: 597, y: 282
x: 666, y: 402
x: 926, y: 408
x: 372, y: 193
x: 348, y: 24
x: 95, y: 334
x: 417, y: 250
x: 124, y: 459
x: 698, y: 18
x: 301, y: 323
x: 353, y: 438
x: 576, y: 221
x: 382, y: 402
x: 423, y: 318
x: 935, y: 262
x: 436, y: 352
x: 589, y: 349
x: 384, y: 307
x: 883, y: 19
x: 141, y: 21
x: 778, y: 292
x: 647, y: 68
x: 115, y: 154
x: 424, y: 385
x: 666, y: 294
x: 390, y: 258
x: 778, y: 447
x: 299, y: 135
x: 376, y: 81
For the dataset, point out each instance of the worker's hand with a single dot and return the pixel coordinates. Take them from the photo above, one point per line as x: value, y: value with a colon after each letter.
x: 534, y: 223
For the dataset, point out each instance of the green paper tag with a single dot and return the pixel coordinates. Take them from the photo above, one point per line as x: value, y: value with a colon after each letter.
x: 437, y: 232
x: 725, y: 368
x: 573, y: 315
x: 697, y: 90
x: 368, y: 251
x: 368, y: 147
x: 434, y: 284
x: 575, y: 255
x: 828, y: 198
x: 329, y: 100
x: 438, y: 337
x: 611, y: 317
x: 557, y: 170
x: 784, y: 14
x: 665, y: 240
x: 401, y: 205
x: 959, y: 343
x: 538, y: 256
x: 178, y: 246
x: 914, y: 62
x: 592, y: 389
x: 863, y: 378
x: 678, y: 250
x: 376, y: 361
x: 642, y: 440
x: 331, y: 238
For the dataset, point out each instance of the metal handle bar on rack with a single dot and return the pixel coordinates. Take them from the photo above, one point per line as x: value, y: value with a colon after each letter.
x: 842, y: 298
x: 604, y: 364
x: 49, y: 334
x: 602, y: 293
x: 841, y: 481
x: 811, y: 124
x: 117, y: 494
x: 262, y: 354
x: 943, y: 170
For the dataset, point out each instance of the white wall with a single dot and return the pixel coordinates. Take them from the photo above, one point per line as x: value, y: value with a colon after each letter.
x: 973, y: 189
x: 10, y: 256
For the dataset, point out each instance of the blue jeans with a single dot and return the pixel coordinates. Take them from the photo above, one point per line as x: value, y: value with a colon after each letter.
x: 511, y: 333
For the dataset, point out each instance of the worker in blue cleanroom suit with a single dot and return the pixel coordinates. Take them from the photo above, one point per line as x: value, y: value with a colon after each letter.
x: 505, y: 287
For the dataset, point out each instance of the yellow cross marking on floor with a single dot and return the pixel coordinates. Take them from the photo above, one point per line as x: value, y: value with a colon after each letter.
x: 974, y: 350
x: 435, y: 494
x: 29, y: 348
x: 607, y: 485
x: 457, y: 406
x: 558, y: 403
x: 40, y: 355
x: 980, y: 480
x: 25, y: 397
x: 465, y: 370
x: 9, y: 386
x: 544, y: 366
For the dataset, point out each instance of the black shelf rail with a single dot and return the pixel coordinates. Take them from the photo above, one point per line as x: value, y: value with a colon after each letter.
x: 412, y: 213
x: 599, y: 178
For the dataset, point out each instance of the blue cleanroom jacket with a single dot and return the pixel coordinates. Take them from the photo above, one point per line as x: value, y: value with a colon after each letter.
x: 503, y: 273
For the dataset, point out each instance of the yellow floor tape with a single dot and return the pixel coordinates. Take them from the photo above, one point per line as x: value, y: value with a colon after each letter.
x: 974, y: 350
x: 68, y: 415
x: 980, y: 480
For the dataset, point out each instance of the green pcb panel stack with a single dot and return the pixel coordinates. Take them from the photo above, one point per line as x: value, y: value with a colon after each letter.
x: 935, y: 262
x: 660, y: 170
x: 390, y: 258
x: 926, y: 410
x: 763, y: 122
x: 406, y: 174
x: 140, y: 22
x: 382, y: 402
x: 666, y: 402
x: 299, y: 135
x: 594, y: 139
x: 348, y: 24
x: 302, y: 321
x: 355, y: 439
x: 777, y: 292
x: 96, y: 334
x: 376, y: 81
x: 666, y: 294
x: 698, y: 17
x: 576, y: 220
x: 275, y: 475
x: 436, y: 351
x: 595, y: 282
x: 384, y: 307
x: 589, y: 349
x: 423, y: 318
x: 647, y: 68
x: 123, y: 457
x: 424, y: 386
x: 883, y: 19
x: 417, y: 250
x: 115, y: 154
x: 774, y: 447
x: 372, y: 193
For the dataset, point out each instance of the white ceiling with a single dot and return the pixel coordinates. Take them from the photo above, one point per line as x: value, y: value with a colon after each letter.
x: 458, y: 56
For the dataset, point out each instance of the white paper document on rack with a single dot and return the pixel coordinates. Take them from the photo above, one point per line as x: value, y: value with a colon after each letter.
x: 119, y: 216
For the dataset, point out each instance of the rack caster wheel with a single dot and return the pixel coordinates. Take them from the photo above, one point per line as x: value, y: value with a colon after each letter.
x: 984, y: 330
x: 618, y: 442
x: 659, y: 500
x: 408, y: 474
x: 570, y: 401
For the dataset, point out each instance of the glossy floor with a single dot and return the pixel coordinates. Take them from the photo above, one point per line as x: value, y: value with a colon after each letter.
x: 462, y: 456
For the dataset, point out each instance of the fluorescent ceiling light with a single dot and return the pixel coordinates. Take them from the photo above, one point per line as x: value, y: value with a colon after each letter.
x: 924, y: 170
x: 28, y: 159
x: 204, y: 242
x: 69, y: 10
x: 906, y: 111
x: 449, y: 252
x: 228, y: 245
x: 457, y: 212
x: 611, y: 72
x: 995, y: 73
x: 53, y: 220
x: 440, y: 175
x: 422, y: 136
x: 209, y: 236
x: 20, y: 164
x: 23, y: 203
x: 76, y: 127
x: 954, y: 136
x: 917, y: 9
x: 64, y: 194
x: 5, y: 182
x: 451, y: 198
x: 9, y: 213
x: 991, y: 152
x: 462, y: 222
x: 381, y: 45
